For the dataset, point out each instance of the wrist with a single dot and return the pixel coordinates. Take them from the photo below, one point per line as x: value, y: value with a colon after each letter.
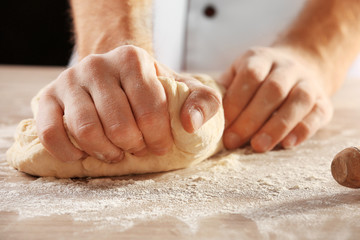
x: 103, y: 25
x: 107, y: 42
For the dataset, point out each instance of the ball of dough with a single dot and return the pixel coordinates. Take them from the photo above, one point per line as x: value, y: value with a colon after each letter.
x: 28, y: 155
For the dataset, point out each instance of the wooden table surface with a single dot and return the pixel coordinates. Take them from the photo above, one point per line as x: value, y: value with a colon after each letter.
x: 283, y: 194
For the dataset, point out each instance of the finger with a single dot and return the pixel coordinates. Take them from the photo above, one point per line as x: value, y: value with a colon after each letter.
x: 227, y: 77
x: 51, y: 131
x: 202, y: 104
x: 248, y: 79
x: 86, y: 128
x: 117, y: 118
x: 147, y: 99
x: 292, y: 111
x: 163, y: 70
x: 319, y: 116
x: 268, y: 98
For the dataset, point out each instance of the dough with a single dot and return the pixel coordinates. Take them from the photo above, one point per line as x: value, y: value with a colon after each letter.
x: 28, y: 155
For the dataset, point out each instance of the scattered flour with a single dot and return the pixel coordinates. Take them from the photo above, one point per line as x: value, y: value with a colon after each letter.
x: 275, y: 191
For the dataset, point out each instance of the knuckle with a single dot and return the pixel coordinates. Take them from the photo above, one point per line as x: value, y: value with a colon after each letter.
x: 69, y: 80
x: 48, y: 92
x: 276, y: 89
x: 93, y: 67
x: 305, y: 96
x: 131, y: 57
x: 305, y: 128
x: 66, y: 77
x: 117, y: 132
x: 287, y: 63
x: 282, y: 122
x: 149, y: 120
x: 92, y: 62
x: 257, y: 50
x: 66, y: 74
x: 85, y: 131
x: 47, y: 134
x: 130, y: 52
x: 253, y: 73
x: 124, y: 137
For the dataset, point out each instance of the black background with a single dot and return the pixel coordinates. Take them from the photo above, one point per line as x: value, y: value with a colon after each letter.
x: 35, y: 32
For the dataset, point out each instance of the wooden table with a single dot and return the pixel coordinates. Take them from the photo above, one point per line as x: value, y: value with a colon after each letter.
x: 283, y: 194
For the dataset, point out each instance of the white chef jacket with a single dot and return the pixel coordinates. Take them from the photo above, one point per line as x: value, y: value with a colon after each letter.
x: 208, y: 35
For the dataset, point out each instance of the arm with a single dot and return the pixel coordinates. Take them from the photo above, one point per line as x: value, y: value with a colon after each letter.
x: 327, y: 33
x: 112, y: 100
x: 103, y: 25
x: 281, y: 94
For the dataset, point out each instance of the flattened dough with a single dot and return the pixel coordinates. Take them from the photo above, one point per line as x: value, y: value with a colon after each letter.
x: 28, y: 155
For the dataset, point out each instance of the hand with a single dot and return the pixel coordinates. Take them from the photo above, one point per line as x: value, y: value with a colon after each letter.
x: 113, y: 103
x: 273, y: 96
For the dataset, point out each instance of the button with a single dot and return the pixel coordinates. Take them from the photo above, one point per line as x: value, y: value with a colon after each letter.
x: 210, y: 11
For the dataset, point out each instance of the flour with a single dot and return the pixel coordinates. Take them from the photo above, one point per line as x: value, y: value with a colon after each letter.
x: 271, y: 192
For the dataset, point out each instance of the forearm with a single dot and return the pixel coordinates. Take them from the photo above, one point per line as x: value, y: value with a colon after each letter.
x: 326, y: 32
x: 103, y: 25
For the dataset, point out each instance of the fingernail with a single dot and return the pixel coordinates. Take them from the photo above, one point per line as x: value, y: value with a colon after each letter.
x: 290, y: 141
x: 99, y: 156
x: 263, y: 141
x: 196, y: 118
x: 232, y: 140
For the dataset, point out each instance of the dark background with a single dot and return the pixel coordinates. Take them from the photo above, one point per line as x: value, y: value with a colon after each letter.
x: 35, y: 32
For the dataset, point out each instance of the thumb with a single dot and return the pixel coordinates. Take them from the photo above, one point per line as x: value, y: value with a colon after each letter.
x: 202, y: 104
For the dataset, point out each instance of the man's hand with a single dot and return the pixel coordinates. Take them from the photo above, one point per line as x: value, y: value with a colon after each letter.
x: 114, y: 103
x: 281, y: 94
x: 273, y: 96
